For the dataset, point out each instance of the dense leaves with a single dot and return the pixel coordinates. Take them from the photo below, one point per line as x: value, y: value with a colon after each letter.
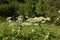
x: 30, y: 14
x: 31, y: 8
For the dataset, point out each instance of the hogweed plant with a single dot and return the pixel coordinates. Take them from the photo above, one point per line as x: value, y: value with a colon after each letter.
x: 19, y: 20
x: 30, y: 21
x: 9, y: 19
x: 38, y: 19
x: 26, y: 23
x: 29, y: 30
x: 59, y: 11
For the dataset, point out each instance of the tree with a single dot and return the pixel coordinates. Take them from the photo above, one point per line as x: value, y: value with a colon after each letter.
x: 8, y: 9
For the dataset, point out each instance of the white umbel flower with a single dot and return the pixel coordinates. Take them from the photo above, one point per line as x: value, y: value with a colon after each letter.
x: 20, y: 16
x: 35, y: 24
x: 26, y: 16
x: 38, y: 19
x: 41, y: 18
x: 48, y: 18
x: 12, y: 24
x: 59, y: 11
x: 19, y: 19
x: 26, y: 24
x: 29, y: 19
x: 57, y: 19
x: 33, y: 30
x: 8, y: 18
x: 43, y: 22
x: 9, y: 21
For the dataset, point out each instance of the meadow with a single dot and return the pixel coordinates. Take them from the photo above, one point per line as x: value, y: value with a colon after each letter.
x: 19, y: 30
x: 29, y: 20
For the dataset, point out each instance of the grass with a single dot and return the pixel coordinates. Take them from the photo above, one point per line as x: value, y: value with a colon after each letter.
x: 55, y: 29
x: 29, y: 30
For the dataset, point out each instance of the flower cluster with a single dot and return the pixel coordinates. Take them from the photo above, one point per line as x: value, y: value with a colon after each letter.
x: 30, y: 21
x: 38, y: 19
x: 19, y: 19
x: 26, y: 23
x: 9, y: 19
x: 59, y: 11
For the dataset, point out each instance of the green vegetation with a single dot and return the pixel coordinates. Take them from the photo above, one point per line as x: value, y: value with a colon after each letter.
x: 16, y: 32
x: 29, y: 20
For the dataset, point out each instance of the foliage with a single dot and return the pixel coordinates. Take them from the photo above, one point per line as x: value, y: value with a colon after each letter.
x: 30, y: 8
x: 18, y: 32
x: 8, y: 9
x: 33, y: 22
